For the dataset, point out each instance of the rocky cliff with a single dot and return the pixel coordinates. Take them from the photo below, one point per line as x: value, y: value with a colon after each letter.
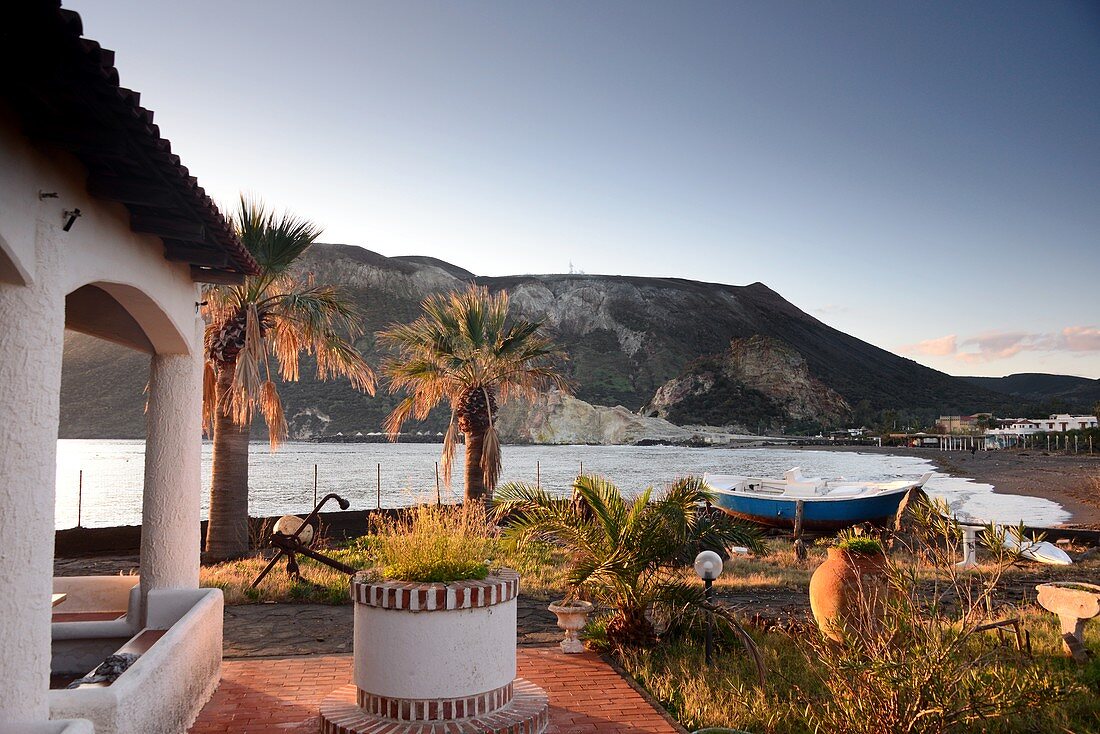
x: 626, y: 337
x: 757, y: 384
x: 562, y: 419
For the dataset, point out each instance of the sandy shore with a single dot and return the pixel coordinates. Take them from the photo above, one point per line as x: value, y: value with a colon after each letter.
x: 1073, y: 481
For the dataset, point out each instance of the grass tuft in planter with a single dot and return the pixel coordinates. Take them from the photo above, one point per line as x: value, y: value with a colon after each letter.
x: 433, y: 544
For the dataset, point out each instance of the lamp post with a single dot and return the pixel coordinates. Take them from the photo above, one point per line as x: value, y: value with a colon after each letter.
x: 708, y: 566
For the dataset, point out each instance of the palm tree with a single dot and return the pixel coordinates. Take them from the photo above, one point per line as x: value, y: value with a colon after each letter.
x: 626, y: 553
x: 276, y: 314
x: 464, y: 349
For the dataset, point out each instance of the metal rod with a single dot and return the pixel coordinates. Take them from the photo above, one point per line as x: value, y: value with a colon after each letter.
x: 314, y: 485
x: 709, y: 594
x: 314, y: 513
x: 379, y: 486
x: 79, y: 497
x: 438, y: 499
x: 538, y: 473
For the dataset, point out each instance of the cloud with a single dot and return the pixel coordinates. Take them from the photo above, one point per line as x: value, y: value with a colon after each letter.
x: 992, y: 346
x: 831, y: 308
x: 942, y: 347
x: 1081, y: 339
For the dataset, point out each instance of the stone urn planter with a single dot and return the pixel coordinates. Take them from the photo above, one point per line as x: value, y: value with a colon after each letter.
x: 435, y: 654
x: 1075, y: 603
x: 572, y: 617
x: 848, y: 590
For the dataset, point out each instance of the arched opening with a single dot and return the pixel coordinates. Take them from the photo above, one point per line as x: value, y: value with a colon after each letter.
x: 128, y: 458
x: 123, y: 314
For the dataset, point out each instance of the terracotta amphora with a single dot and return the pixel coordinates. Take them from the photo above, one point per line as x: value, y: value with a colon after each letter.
x: 848, y: 592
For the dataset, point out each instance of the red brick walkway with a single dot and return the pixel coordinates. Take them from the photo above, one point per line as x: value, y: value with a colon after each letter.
x: 262, y: 695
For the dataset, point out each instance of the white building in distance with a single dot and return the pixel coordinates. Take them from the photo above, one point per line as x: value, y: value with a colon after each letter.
x: 1057, y: 423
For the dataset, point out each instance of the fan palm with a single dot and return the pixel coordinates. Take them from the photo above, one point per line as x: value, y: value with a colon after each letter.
x: 276, y: 314
x: 625, y: 552
x: 466, y: 350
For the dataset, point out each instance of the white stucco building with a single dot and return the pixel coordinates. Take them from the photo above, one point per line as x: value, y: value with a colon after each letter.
x: 1057, y: 423
x: 103, y: 231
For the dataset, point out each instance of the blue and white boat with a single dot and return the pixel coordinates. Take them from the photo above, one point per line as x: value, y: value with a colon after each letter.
x: 828, y: 504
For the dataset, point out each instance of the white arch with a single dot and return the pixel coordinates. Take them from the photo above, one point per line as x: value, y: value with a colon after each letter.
x: 162, y: 331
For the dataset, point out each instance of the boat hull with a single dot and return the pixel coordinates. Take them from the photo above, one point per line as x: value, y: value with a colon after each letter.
x: 779, y: 512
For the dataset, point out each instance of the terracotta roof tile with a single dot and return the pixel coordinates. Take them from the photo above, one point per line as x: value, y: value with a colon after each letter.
x: 63, y: 85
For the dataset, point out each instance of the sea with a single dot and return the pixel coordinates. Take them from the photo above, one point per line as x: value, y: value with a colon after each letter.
x: 99, y: 482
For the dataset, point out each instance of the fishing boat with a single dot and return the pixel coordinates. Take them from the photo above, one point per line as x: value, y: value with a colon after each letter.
x: 827, y: 504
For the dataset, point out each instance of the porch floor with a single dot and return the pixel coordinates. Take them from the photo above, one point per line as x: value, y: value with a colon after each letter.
x: 265, y: 695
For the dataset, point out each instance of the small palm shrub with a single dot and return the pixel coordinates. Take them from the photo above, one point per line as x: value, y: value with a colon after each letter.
x: 433, y: 544
x: 625, y: 553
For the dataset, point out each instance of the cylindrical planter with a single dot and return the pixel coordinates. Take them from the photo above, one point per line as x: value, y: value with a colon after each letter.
x: 436, y: 653
x: 848, y: 591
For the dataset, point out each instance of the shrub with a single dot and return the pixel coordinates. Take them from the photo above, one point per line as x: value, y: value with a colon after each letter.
x: 433, y: 544
x: 625, y: 553
x: 926, y: 667
x: 855, y: 544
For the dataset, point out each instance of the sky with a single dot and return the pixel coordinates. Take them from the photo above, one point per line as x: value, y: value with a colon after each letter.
x: 923, y: 176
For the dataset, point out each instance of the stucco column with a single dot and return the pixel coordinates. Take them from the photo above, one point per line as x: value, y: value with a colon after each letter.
x: 173, y: 456
x: 32, y: 328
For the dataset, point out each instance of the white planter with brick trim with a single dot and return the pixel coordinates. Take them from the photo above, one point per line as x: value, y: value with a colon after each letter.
x: 426, y: 641
x: 436, y: 653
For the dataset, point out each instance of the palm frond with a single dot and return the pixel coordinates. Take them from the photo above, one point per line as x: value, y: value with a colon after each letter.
x: 275, y: 241
x: 209, y: 397
x: 450, y: 446
x: 271, y: 407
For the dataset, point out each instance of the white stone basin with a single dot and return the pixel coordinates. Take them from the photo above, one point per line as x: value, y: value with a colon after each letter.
x: 1075, y: 603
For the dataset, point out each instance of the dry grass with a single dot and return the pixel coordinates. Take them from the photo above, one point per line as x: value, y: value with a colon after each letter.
x: 324, y: 586
x: 724, y: 695
x: 432, y: 544
x: 541, y: 567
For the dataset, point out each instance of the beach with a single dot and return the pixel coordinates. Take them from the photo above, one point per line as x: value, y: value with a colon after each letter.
x: 1071, y: 480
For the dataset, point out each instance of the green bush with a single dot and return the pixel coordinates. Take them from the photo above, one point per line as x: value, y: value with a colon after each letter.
x: 866, y: 546
x: 433, y: 544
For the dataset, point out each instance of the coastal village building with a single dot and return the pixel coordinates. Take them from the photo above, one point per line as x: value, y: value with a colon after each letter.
x: 102, y: 231
x: 961, y: 424
x: 972, y: 425
x: 1059, y: 423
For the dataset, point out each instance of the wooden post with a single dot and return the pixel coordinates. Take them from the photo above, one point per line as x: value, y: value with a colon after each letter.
x: 314, y: 485
x: 438, y: 498
x: 380, y: 486
x: 799, y: 546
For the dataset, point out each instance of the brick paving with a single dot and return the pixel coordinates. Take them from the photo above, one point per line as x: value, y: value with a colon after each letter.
x: 270, y: 695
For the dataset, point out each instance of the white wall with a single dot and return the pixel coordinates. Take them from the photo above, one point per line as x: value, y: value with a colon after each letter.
x: 166, y: 688
x: 160, y: 295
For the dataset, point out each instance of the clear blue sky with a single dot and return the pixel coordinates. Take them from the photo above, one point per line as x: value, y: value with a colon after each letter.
x: 925, y: 176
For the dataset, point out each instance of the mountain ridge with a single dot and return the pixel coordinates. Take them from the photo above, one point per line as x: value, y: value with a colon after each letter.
x: 625, y: 336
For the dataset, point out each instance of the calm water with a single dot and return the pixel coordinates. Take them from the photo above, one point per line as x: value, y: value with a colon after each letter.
x: 283, y: 481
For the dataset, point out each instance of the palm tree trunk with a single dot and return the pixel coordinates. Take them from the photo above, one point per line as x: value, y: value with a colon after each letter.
x: 227, y: 532
x: 475, y: 477
x: 631, y: 628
